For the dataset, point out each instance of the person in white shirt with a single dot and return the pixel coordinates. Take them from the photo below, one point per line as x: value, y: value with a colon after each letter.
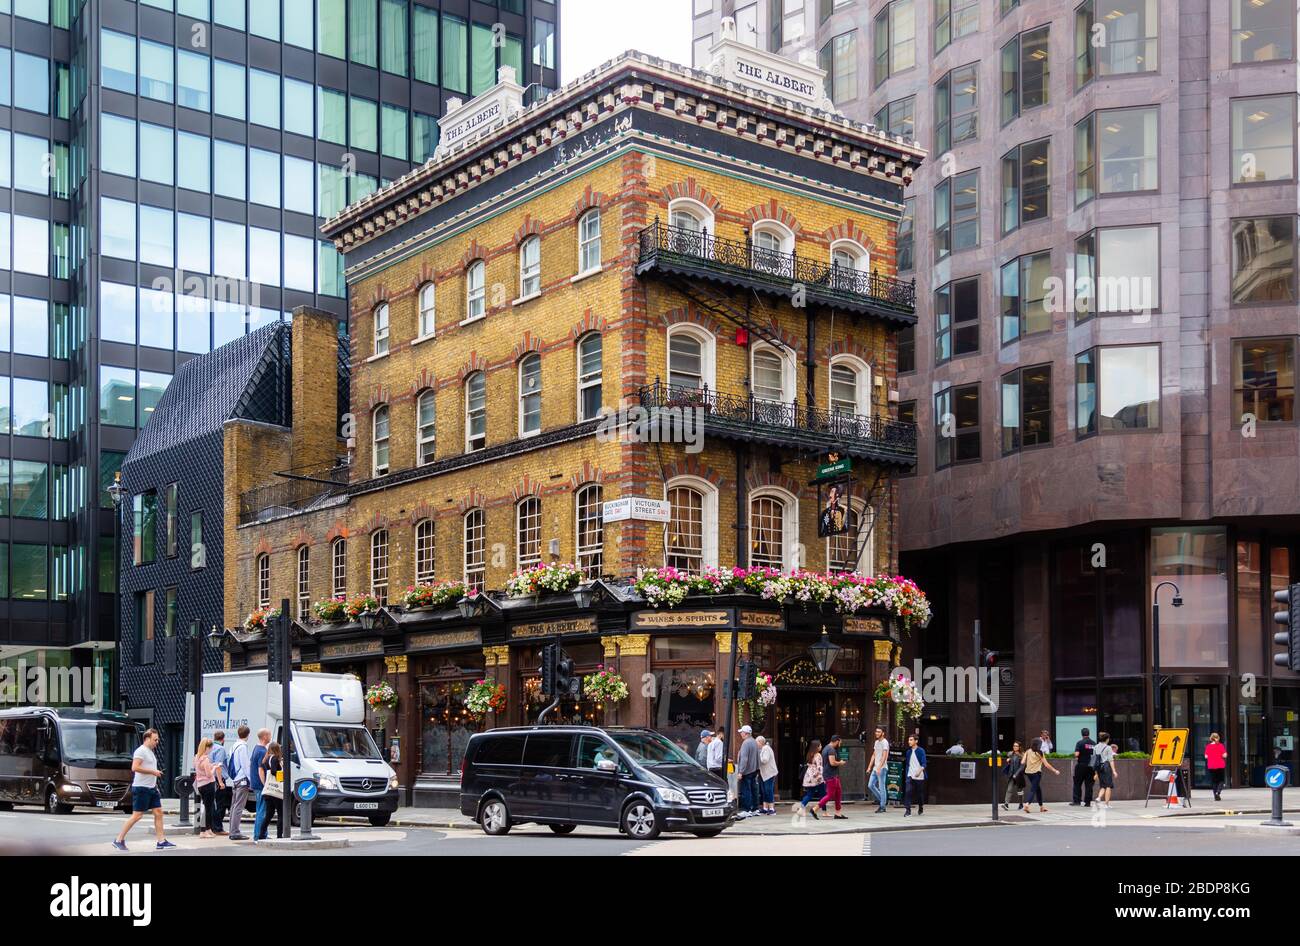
x: 1047, y: 742
x: 956, y: 749
x: 767, y: 776
x: 879, y: 769
x: 144, y: 791
x: 717, y: 758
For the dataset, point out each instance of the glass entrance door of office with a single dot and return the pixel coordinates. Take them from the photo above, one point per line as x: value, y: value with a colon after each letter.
x: 1199, y: 709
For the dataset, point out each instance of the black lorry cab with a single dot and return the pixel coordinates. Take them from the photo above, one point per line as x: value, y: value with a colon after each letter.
x: 562, y: 776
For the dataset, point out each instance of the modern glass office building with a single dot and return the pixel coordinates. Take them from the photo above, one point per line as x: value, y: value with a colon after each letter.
x: 164, y: 167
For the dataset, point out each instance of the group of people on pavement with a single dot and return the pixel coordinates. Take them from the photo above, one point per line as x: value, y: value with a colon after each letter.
x: 1094, y: 761
x: 224, y: 779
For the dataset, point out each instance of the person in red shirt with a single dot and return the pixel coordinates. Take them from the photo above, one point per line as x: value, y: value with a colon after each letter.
x: 1216, y: 760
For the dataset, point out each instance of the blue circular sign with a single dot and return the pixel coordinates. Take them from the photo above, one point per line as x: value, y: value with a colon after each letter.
x: 305, y: 790
x: 1275, y: 776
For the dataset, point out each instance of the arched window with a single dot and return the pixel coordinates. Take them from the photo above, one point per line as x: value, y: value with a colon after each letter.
x: 691, y: 227
x: 850, y: 381
x: 589, y: 241
x: 854, y: 549
x: 530, y: 394
x: 424, y: 552
x: 772, y: 245
x: 476, y: 411
x: 380, y: 453
x: 772, y: 374
x: 425, y: 428
x: 691, y: 539
x: 339, y: 568
x: 475, y: 545
x: 773, y: 529
x: 530, y: 267
x: 263, y: 582
x: 381, y: 329
x: 690, y: 357
x: 850, y: 255
x: 476, y: 290
x: 589, y: 376
x: 528, y: 532
x: 427, y: 310
x: 591, y: 530
x: 304, y: 583
x: 379, y: 566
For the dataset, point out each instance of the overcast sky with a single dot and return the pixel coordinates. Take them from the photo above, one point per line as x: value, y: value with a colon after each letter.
x: 592, y: 31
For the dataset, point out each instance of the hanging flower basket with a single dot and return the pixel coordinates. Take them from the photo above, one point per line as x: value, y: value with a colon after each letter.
x: 604, y: 686
x: 904, y: 694
x: 382, y: 700
x: 765, y: 687
x: 440, y: 595
x: 556, y: 576
x: 258, y: 620
x: 485, y: 696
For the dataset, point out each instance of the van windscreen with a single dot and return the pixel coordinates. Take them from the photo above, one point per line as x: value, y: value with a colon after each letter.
x: 650, y: 748
x: 336, y: 742
x: 104, y: 745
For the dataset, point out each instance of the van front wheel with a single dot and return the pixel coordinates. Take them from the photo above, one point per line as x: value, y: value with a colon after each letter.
x: 639, y: 821
x: 495, y: 817
x: 53, y: 806
x: 380, y: 821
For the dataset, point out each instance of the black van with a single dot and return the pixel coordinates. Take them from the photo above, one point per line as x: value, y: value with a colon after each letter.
x: 61, y: 758
x: 562, y: 776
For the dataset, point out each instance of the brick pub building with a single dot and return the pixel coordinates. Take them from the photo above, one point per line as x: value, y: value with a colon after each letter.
x: 649, y: 237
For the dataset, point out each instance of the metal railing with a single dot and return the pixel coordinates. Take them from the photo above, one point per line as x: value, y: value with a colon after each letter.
x: 883, y: 434
x: 774, y: 266
x: 296, y: 491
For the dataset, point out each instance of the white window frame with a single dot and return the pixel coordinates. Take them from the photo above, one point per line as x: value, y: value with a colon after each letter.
x: 789, y: 523
x: 426, y: 435
x: 590, y: 557
x: 866, y: 562
x: 475, y: 291
x: 863, y: 399
x: 304, y: 582
x: 708, y: 517
x: 469, y: 436
x: 861, y: 255
x: 529, y: 358
x: 428, y: 307
x: 474, y: 529
x: 378, y: 469
x: 530, y: 271
x: 263, y: 582
x: 339, y: 568
x: 708, y: 353
x: 593, y: 380
x: 698, y: 211
x: 379, y: 565
x: 587, y: 242
x: 786, y: 358
x: 380, y: 325
x: 424, y: 552
x: 528, y: 516
x: 769, y: 227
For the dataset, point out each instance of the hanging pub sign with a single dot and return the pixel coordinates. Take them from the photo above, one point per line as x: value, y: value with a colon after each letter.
x: 833, y: 499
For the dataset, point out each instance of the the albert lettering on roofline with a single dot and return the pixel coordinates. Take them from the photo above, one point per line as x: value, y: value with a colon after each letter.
x: 776, y: 79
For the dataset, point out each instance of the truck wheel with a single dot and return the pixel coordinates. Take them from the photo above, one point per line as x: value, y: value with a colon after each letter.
x: 639, y: 821
x: 380, y: 821
x: 52, y: 804
x: 495, y: 817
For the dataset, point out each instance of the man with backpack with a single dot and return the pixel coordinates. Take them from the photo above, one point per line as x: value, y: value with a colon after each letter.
x: 1083, y: 770
x: 239, y: 773
x: 221, y: 803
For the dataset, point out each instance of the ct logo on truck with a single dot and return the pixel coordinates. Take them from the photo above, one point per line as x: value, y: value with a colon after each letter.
x: 337, y: 702
x: 224, y: 702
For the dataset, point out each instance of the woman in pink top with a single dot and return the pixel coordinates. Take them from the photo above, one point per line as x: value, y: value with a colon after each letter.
x: 1216, y: 760
x: 205, y: 783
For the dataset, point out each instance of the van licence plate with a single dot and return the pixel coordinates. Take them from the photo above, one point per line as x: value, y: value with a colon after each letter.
x: 366, y: 806
x: 713, y: 812
x: 105, y: 804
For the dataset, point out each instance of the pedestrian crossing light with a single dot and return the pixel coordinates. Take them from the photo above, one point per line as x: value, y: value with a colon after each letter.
x: 1290, y: 619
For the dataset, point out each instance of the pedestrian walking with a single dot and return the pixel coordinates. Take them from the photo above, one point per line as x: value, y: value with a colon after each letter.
x: 1216, y: 760
x: 831, y: 763
x: 1014, y: 770
x: 1084, y: 771
x: 717, y: 758
x: 240, y: 778
x: 914, y: 767
x: 1046, y: 741
x: 219, y: 759
x: 702, y: 750
x: 813, y: 781
x: 1104, y: 763
x: 205, y: 784
x: 145, y: 796
x: 747, y: 772
x: 767, y: 775
x: 257, y: 778
x: 272, y: 794
x: 1035, y: 762
x: 879, y: 770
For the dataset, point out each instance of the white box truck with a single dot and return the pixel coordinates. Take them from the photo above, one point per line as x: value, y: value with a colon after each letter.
x: 329, y: 734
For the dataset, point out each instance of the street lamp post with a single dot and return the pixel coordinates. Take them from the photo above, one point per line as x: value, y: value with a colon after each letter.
x: 116, y: 492
x: 1157, y: 683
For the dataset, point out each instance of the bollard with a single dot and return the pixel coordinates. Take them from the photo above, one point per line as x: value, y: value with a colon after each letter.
x: 184, y: 785
x: 1276, y: 778
x: 305, y: 791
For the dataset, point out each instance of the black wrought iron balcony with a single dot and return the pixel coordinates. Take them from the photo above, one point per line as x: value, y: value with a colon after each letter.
x: 786, y: 424
x: 744, y: 264
x: 296, y: 491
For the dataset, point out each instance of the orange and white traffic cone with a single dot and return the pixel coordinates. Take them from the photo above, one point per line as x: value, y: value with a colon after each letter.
x: 1172, y: 800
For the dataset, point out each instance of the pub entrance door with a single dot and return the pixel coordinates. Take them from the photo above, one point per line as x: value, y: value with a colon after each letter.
x: 801, y: 717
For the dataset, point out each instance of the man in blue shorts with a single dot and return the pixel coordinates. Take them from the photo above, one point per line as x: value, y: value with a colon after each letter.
x: 144, y: 791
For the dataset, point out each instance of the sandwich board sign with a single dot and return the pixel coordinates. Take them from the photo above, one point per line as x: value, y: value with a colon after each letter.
x: 1170, y: 747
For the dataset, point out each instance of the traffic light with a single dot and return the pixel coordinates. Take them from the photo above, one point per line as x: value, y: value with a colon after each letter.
x: 1290, y: 619
x: 989, y: 659
x: 568, y: 684
x: 550, y: 658
x: 745, y: 687
x: 274, y: 674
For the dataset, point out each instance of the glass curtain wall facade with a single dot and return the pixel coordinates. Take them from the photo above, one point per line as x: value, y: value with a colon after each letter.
x: 164, y: 167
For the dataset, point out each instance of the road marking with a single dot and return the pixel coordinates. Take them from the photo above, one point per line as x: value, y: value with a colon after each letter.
x: 739, y: 845
x: 866, y: 845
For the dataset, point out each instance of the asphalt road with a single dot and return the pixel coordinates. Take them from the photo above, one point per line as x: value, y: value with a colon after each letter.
x: 90, y: 833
